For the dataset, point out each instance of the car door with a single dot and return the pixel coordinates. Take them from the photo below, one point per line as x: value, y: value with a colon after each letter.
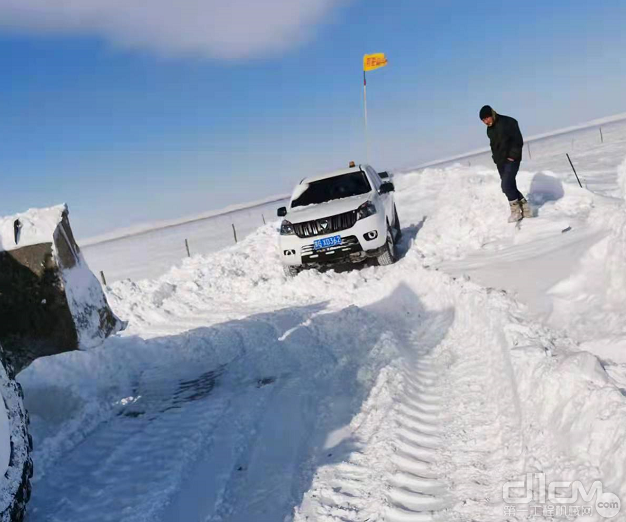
x: 387, y: 199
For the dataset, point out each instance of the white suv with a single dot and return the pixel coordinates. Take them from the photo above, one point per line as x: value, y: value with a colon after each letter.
x: 345, y: 216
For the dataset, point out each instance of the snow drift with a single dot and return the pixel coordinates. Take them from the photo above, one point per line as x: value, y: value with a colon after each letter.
x: 616, y: 252
x: 593, y: 294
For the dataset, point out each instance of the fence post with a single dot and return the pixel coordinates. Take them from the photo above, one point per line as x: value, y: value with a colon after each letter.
x: 601, y: 137
x: 187, y: 247
x: 104, y: 281
x: 530, y: 156
x: 263, y: 219
x: 570, y: 162
x: 234, y: 232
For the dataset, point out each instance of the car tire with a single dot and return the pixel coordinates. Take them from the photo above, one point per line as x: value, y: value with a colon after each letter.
x: 290, y: 270
x: 15, y: 483
x: 396, y: 224
x: 388, y: 257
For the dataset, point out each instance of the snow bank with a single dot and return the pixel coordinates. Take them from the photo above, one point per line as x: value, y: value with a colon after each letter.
x: 571, y: 408
x: 594, y: 294
x: 616, y: 254
x: 561, y: 414
x: 466, y: 210
x: 569, y: 405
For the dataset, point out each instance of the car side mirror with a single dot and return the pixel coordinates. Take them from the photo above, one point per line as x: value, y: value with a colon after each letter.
x: 386, y: 188
x: 384, y: 174
x: 282, y: 211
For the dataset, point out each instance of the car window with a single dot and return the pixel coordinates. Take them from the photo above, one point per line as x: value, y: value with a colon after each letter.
x: 337, y: 187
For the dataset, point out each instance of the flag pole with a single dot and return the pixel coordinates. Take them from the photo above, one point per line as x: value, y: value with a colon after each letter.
x: 367, y: 140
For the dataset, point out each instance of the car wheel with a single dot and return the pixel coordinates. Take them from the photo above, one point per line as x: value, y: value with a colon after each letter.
x: 16, y: 445
x: 388, y: 257
x: 396, y: 224
x: 291, y: 271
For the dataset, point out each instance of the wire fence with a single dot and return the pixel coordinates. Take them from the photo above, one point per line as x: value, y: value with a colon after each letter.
x: 153, y: 252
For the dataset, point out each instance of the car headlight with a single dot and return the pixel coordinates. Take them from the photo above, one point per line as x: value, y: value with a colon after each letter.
x: 365, y: 210
x: 286, y: 228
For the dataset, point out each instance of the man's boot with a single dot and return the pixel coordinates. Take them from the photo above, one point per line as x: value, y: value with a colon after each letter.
x: 516, y: 211
x: 527, y: 211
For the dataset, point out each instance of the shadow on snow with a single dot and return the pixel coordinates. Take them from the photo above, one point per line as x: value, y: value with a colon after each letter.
x: 543, y: 189
x: 265, y: 401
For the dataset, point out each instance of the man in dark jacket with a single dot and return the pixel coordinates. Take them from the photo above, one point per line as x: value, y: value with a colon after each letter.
x: 507, y: 143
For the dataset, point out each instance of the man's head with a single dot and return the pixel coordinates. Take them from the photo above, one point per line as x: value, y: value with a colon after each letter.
x: 487, y: 115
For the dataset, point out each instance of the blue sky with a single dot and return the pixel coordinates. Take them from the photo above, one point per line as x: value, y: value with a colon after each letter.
x: 132, y: 116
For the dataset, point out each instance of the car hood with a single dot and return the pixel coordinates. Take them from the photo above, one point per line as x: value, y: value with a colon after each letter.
x: 330, y: 208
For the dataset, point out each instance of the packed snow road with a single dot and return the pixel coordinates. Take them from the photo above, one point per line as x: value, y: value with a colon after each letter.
x: 400, y: 393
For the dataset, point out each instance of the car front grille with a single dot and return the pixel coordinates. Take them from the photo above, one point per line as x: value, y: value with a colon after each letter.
x: 319, y: 227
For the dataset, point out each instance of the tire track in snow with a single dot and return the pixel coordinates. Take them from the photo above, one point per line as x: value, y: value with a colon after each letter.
x: 451, y: 434
x: 428, y: 426
x: 259, y: 467
x: 415, y: 489
x: 130, y: 467
x: 200, y: 446
x: 483, y: 443
x: 392, y: 472
x: 393, y: 477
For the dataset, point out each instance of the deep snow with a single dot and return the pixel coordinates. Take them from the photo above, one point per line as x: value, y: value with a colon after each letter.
x: 408, y: 392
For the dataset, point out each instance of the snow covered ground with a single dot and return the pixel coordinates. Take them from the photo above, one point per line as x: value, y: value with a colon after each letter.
x: 404, y: 393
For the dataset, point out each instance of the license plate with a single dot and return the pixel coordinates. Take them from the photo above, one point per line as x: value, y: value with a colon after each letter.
x: 326, y: 242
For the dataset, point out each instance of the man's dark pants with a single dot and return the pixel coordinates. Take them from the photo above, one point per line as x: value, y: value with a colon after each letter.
x: 508, y: 172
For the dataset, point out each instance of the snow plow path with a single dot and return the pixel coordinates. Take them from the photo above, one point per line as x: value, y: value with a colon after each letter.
x: 243, y: 439
x: 309, y: 411
x: 400, y: 408
x: 394, y: 394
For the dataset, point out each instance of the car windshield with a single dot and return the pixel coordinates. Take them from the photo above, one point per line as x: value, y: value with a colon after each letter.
x: 337, y: 187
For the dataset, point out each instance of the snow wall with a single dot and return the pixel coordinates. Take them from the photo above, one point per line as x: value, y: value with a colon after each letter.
x: 50, y: 302
x: 616, y: 255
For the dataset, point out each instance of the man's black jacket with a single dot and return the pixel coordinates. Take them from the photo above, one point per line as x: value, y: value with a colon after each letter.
x: 505, y: 139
